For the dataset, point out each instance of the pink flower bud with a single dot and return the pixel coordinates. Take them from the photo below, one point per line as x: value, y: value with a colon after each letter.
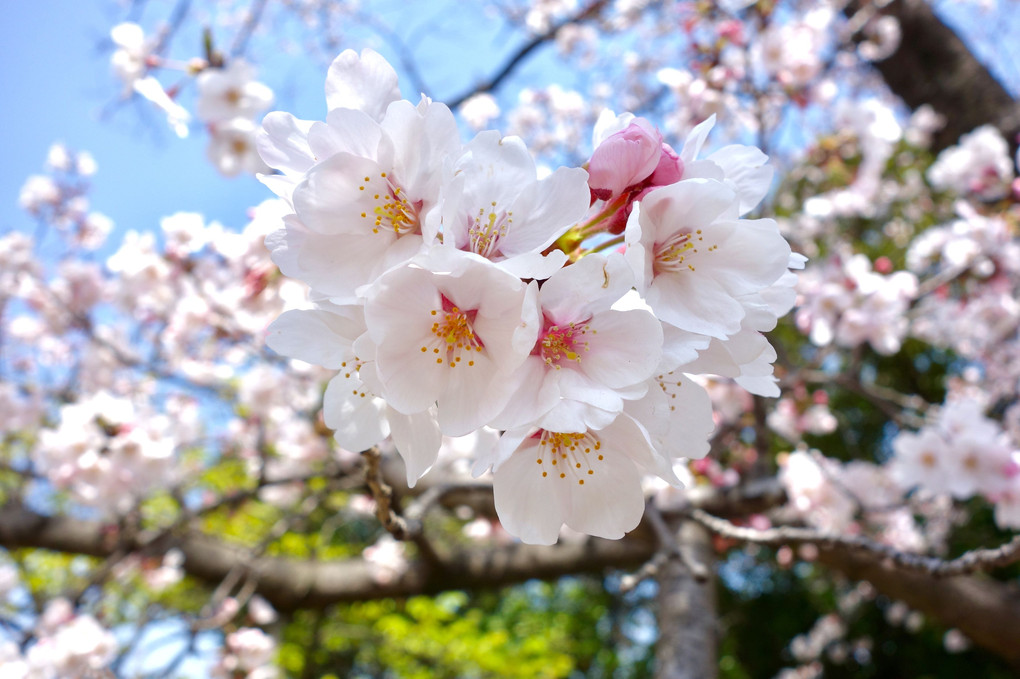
x: 670, y: 168
x: 625, y: 158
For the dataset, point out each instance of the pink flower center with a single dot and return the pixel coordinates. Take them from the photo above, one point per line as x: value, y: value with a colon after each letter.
x: 487, y: 229
x: 559, y: 343
x: 673, y: 254
x: 572, y: 453
x: 392, y: 210
x: 454, y: 335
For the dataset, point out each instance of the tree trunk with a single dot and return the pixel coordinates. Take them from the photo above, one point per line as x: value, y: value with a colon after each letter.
x: 933, y: 66
x: 687, y: 611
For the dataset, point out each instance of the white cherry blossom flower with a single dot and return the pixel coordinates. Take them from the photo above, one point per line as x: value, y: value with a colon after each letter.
x: 450, y: 328
x: 743, y: 168
x: 232, y: 148
x: 494, y: 206
x: 694, y: 258
x: 589, y: 357
x: 589, y: 481
x: 360, y: 211
x: 351, y: 404
x: 231, y: 92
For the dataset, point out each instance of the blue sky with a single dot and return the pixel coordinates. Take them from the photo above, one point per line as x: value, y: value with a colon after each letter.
x: 58, y: 87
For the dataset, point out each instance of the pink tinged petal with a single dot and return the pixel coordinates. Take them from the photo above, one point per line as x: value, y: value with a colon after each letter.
x: 760, y: 385
x: 331, y: 265
x: 282, y: 185
x: 584, y: 403
x: 474, y: 394
x: 529, y: 506
x: 417, y: 439
x: 628, y: 435
x: 625, y: 348
x: 696, y: 139
x: 698, y: 305
x: 347, y: 194
x: 704, y: 169
x: 534, y: 265
x: 366, y: 83
x: 745, y: 167
x: 398, y: 314
x: 358, y: 421
x: 760, y: 315
x: 314, y: 336
x: 496, y: 168
x: 670, y: 168
x: 505, y: 446
x: 610, y: 501
x: 639, y: 252
x: 680, y: 347
x: 577, y: 416
x: 283, y: 143
x: 589, y: 286
x: 689, y: 414
x: 422, y: 142
x: 346, y: 131
x: 725, y: 357
x: 545, y: 210
x: 412, y: 380
x: 533, y: 396
x: 687, y: 205
x: 753, y: 257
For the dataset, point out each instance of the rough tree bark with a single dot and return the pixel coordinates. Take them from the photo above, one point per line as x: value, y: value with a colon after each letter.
x: 932, y: 65
x: 686, y: 648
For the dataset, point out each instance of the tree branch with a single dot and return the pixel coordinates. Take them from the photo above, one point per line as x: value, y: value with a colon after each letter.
x: 971, y: 562
x: 518, y: 56
x: 933, y: 66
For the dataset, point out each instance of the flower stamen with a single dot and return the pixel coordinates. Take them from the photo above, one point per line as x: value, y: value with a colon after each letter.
x: 571, y: 453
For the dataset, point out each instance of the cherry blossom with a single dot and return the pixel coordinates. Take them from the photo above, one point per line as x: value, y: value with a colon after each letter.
x: 543, y: 480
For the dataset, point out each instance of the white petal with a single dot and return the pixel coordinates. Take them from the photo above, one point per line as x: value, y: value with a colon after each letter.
x: 366, y: 83
x: 745, y: 167
x: 314, y: 336
x: 358, y: 420
x: 625, y: 348
x: 610, y: 503
x: 417, y: 439
x: 590, y: 285
x: 528, y: 505
x: 698, y: 305
x: 546, y: 209
x: 283, y: 143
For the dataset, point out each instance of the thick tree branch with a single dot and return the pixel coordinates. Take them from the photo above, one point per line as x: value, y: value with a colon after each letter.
x: 933, y: 66
x: 971, y: 562
x: 986, y: 611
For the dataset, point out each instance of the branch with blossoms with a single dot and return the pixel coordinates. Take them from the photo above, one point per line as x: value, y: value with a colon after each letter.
x: 526, y: 318
x: 973, y: 561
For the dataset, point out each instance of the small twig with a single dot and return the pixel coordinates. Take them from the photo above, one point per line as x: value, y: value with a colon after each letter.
x: 382, y: 493
x: 586, y: 13
x: 250, y: 24
x: 669, y: 548
x: 969, y: 562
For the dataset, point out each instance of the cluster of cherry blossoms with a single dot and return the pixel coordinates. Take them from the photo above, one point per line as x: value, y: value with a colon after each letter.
x: 962, y: 453
x: 456, y: 290
x: 229, y: 98
x: 959, y: 292
x: 68, y: 646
